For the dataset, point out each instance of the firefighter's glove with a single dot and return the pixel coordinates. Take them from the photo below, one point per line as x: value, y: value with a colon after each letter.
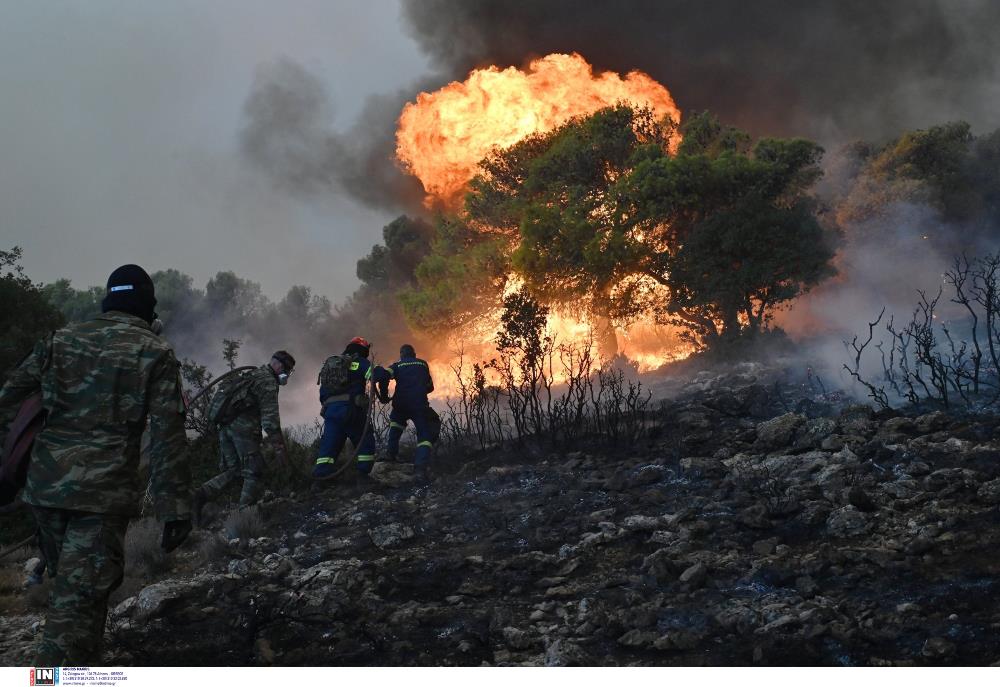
x: 174, y: 533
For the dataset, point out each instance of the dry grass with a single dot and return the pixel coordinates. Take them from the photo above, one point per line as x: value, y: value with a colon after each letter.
x: 37, y: 598
x: 143, y: 555
x: 244, y: 524
x: 11, y: 593
x: 11, y: 580
x: 213, y: 549
x: 145, y: 560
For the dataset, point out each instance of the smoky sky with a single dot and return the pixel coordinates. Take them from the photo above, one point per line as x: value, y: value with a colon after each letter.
x: 833, y: 70
x: 120, y: 131
x: 830, y: 69
x: 288, y: 133
x: 259, y: 136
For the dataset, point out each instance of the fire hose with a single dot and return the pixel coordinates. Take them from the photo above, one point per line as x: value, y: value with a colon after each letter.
x: 339, y: 471
x: 188, y: 402
x: 368, y: 417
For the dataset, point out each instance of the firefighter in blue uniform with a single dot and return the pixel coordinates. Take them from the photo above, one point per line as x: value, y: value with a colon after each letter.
x: 345, y: 410
x: 409, y: 404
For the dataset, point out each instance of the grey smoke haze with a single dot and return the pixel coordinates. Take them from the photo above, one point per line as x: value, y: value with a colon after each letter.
x: 833, y: 71
x: 882, y: 263
x: 257, y: 137
x: 119, y: 136
x: 823, y: 68
x: 288, y: 133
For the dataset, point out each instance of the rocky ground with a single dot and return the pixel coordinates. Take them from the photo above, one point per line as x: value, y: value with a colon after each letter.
x: 760, y: 524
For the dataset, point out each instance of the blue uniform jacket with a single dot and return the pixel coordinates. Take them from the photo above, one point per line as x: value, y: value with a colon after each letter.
x: 413, y: 382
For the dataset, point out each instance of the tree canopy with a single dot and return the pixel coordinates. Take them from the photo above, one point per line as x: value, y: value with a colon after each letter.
x: 602, y: 216
x: 944, y: 167
x: 734, y: 227
x: 25, y: 313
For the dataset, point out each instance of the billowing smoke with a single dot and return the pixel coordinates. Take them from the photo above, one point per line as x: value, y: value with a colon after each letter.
x: 823, y: 69
x: 289, y: 134
x: 832, y: 71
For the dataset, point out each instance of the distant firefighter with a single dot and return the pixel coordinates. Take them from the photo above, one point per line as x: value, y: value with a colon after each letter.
x: 343, y: 391
x: 99, y: 382
x: 413, y: 382
x: 241, y: 408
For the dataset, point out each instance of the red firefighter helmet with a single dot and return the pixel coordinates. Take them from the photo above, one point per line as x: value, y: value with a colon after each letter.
x: 361, y: 341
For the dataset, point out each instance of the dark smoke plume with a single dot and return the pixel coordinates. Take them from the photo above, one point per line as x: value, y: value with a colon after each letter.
x: 827, y: 69
x: 288, y: 133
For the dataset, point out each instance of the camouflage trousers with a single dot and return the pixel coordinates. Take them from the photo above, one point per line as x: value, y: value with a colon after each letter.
x: 85, y: 553
x: 239, y: 454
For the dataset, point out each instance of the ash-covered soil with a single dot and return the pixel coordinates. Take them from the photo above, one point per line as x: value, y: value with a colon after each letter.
x: 762, y: 523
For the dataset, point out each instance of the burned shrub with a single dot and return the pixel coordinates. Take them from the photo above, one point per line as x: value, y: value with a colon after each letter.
x: 763, y: 483
x: 935, y: 361
x: 244, y: 524
x: 543, y: 394
x: 144, y: 556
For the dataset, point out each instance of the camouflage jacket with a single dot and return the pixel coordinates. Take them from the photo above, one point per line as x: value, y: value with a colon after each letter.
x: 261, y: 400
x: 101, y: 380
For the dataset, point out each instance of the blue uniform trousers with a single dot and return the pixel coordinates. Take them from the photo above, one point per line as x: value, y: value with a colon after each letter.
x: 344, y: 420
x: 400, y: 415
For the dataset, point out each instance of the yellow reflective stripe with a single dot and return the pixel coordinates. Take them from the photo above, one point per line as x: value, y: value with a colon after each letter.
x: 366, y: 459
x: 397, y: 425
x: 415, y: 362
x: 368, y: 372
x: 425, y: 443
x: 355, y: 365
x: 323, y: 460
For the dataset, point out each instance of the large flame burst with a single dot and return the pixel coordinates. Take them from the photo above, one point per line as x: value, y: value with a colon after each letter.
x: 444, y: 135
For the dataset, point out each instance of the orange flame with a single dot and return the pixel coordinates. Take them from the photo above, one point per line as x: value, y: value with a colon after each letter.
x: 647, y: 344
x: 443, y: 135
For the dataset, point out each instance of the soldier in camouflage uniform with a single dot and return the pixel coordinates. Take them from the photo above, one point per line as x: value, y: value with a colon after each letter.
x: 100, y: 381
x: 254, y: 403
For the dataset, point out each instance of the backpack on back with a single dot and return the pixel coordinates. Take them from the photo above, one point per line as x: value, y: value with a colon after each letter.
x: 230, y: 400
x: 335, y: 374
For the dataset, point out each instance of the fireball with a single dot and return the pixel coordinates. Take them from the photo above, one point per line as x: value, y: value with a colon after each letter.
x: 443, y: 135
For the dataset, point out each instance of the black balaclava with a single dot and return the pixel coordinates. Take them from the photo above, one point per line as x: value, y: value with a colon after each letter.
x: 130, y: 290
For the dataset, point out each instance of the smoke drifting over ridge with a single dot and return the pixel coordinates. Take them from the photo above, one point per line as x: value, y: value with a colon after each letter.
x: 289, y: 134
x: 829, y: 70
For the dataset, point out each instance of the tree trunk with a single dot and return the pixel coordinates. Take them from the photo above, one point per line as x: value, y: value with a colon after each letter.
x: 605, y: 338
x: 730, y: 324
